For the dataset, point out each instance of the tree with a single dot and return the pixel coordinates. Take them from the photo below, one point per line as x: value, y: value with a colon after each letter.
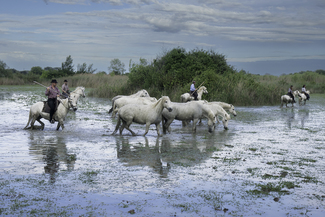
x: 116, y: 67
x: 82, y: 69
x: 67, y: 67
x: 4, y: 71
x: 36, y: 70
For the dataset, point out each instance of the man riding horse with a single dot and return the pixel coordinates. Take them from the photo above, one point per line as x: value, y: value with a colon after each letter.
x: 65, y: 89
x: 291, y: 94
x: 193, y: 91
x: 52, y: 92
x: 303, y: 90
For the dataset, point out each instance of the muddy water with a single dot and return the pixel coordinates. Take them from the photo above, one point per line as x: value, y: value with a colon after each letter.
x: 270, y: 162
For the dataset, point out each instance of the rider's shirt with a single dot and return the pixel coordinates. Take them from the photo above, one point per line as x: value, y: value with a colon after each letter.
x: 52, y: 93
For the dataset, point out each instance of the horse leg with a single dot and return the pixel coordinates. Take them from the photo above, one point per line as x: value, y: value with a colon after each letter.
x: 147, y: 128
x: 58, y: 126
x: 158, y: 129
x: 167, y: 125
x: 164, y: 121
x: 117, y: 125
x: 32, y: 123
x: 195, y: 120
x: 122, y: 128
x: 127, y: 126
x: 29, y: 118
x: 39, y: 121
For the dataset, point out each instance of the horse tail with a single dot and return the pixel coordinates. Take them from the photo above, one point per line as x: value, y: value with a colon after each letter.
x: 111, y: 110
x: 29, y: 118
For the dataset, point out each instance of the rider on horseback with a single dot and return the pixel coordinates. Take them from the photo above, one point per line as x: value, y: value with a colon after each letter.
x: 193, y: 91
x: 303, y: 90
x: 290, y: 94
x: 52, y: 92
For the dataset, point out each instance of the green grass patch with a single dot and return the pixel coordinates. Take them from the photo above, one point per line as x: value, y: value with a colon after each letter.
x: 273, y: 187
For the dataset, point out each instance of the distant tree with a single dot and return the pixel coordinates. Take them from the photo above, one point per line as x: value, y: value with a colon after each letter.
x: 4, y: 71
x: 116, y: 67
x: 101, y: 73
x: 320, y: 71
x: 67, y: 67
x: 82, y: 69
x: 51, y: 73
x: 36, y: 70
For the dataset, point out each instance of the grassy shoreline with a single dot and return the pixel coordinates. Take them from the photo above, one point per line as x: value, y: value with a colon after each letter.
x: 108, y: 86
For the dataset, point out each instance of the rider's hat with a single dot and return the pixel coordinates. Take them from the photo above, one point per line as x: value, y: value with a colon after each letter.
x: 54, y: 81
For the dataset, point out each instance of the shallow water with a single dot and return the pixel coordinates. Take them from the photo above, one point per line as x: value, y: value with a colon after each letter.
x: 270, y: 162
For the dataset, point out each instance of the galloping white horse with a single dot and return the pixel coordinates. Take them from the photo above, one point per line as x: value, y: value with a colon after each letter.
x: 287, y: 99
x: 120, y: 102
x: 303, y: 97
x: 140, y: 93
x: 187, y: 97
x: 36, y: 113
x: 142, y: 114
x: 187, y: 112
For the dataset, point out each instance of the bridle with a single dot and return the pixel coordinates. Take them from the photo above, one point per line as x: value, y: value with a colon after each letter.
x: 69, y: 103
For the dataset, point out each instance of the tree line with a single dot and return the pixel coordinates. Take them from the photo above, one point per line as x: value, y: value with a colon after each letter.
x: 67, y: 69
x: 172, y: 72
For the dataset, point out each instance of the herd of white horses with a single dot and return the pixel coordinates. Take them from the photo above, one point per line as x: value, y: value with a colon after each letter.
x: 142, y: 109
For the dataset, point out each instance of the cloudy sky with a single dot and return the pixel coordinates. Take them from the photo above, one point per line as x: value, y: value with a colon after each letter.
x: 259, y: 36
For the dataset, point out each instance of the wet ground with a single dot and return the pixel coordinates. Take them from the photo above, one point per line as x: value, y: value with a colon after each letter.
x: 269, y: 163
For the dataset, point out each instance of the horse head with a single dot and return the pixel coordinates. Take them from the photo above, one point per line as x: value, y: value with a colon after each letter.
x: 83, y: 92
x: 72, y: 104
x: 166, y: 103
x: 225, y: 119
x: 80, y: 91
x: 204, y: 89
x: 144, y: 93
x: 232, y: 110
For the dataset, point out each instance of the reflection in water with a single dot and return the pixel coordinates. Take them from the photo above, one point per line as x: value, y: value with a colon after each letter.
x: 304, y: 117
x: 51, y: 150
x: 188, y: 152
x: 289, y: 116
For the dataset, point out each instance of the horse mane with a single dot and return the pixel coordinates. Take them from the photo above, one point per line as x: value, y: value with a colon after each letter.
x: 159, y: 100
x: 201, y: 88
x: 78, y: 88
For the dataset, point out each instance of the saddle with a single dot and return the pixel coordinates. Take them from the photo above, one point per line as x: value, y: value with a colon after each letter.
x: 47, y: 109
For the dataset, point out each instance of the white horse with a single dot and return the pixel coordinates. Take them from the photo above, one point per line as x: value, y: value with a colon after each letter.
x: 187, y: 97
x: 140, y: 93
x: 218, y: 111
x: 187, y: 112
x: 226, y: 106
x: 303, y: 97
x: 74, y: 95
x: 287, y: 99
x: 142, y: 114
x: 36, y: 113
x: 120, y: 102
